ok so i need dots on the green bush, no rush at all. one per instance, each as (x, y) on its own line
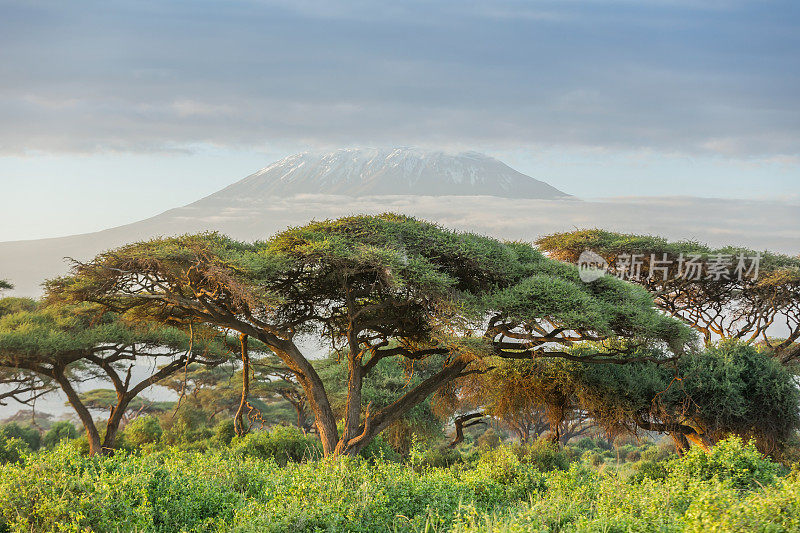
(224, 433)
(730, 461)
(380, 448)
(187, 426)
(544, 455)
(236, 489)
(649, 470)
(27, 434)
(282, 443)
(488, 439)
(12, 449)
(142, 430)
(59, 431)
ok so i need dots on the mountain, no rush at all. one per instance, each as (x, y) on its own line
(469, 192)
(374, 172)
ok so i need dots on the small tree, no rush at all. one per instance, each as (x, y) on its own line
(531, 397)
(105, 400)
(374, 287)
(67, 344)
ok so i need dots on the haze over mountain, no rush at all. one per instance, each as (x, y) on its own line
(467, 191)
(376, 172)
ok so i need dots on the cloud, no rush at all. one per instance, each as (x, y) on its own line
(668, 76)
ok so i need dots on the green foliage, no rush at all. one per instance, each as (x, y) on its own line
(224, 432)
(142, 430)
(730, 461)
(505, 489)
(283, 444)
(185, 426)
(379, 448)
(15, 305)
(737, 305)
(737, 389)
(649, 469)
(27, 434)
(728, 389)
(58, 432)
(12, 449)
(386, 286)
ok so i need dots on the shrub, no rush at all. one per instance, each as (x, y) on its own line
(224, 433)
(143, 430)
(59, 431)
(282, 443)
(663, 450)
(649, 470)
(488, 439)
(544, 455)
(187, 426)
(27, 434)
(380, 448)
(730, 461)
(12, 449)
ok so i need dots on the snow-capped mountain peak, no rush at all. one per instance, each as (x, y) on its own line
(396, 171)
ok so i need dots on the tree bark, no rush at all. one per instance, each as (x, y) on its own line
(114, 420)
(461, 422)
(314, 389)
(92, 435)
(375, 423)
(238, 419)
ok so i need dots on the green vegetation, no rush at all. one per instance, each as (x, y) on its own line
(740, 298)
(380, 373)
(244, 487)
(373, 288)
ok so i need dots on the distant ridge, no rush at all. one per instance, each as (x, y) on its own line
(381, 172)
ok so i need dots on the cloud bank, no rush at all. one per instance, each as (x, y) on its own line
(671, 76)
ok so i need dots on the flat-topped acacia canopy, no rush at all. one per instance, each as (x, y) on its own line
(374, 287)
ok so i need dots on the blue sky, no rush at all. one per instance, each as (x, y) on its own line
(113, 111)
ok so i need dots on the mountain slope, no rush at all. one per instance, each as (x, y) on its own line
(468, 192)
(399, 171)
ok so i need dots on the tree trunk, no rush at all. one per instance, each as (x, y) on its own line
(92, 434)
(114, 420)
(238, 419)
(375, 423)
(462, 422)
(314, 389)
(681, 443)
(352, 414)
(301, 417)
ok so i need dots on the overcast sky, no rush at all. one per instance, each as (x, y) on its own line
(113, 111)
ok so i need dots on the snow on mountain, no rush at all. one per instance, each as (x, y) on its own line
(399, 171)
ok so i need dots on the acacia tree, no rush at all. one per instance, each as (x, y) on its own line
(702, 398)
(722, 293)
(531, 397)
(106, 400)
(217, 390)
(375, 287)
(273, 378)
(69, 344)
